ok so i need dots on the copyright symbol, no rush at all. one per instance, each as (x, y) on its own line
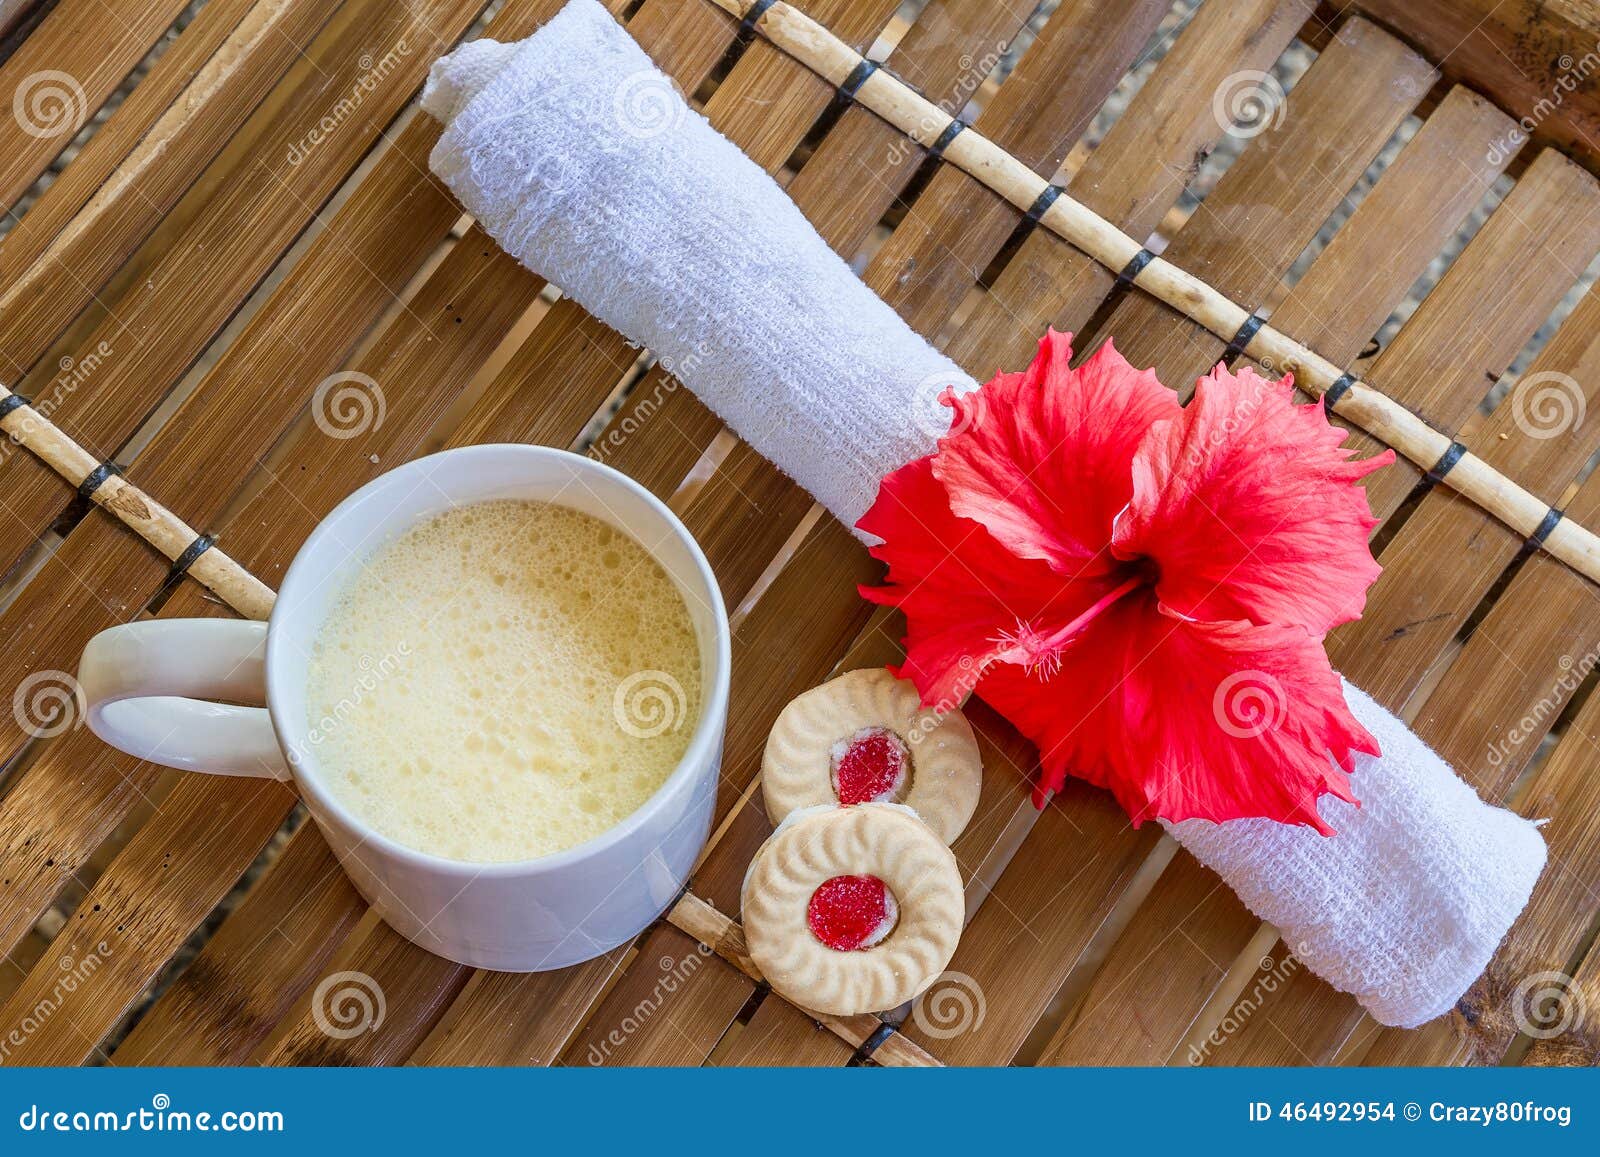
(1412, 1110)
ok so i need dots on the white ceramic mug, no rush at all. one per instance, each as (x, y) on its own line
(150, 689)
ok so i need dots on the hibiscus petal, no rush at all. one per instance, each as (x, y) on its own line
(963, 594)
(1041, 458)
(1245, 502)
(1184, 719)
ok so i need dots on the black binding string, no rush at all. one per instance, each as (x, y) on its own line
(1547, 524)
(96, 478)
(1244, 337)
(747, 26)
(1042, 204)
(12, 402)
(1341, 386)
(1447, 461)
(873, 1043)
(951, 131)
(858, 77)
(1130, 272)
(201, 544)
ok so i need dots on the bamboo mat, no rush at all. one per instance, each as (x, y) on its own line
(241, 231)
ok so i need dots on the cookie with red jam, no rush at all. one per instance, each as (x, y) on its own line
(865, 738)
(852, 909)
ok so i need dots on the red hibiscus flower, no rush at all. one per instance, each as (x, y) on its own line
(1141, 587)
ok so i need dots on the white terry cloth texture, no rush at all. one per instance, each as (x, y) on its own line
(584, 161)
(1404, 905)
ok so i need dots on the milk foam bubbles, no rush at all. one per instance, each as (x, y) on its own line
(503, 681)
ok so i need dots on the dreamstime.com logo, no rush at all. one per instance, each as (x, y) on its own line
(932, 418)
(347, 1004)
(348, 404)
(158, 1117)
(675, 973)
(50, 103)
(649, 703)
(929, 718)
(72, 373)
(975, 68)
(373, 74)
(1574, 72)
(953, 1004)
(1248, 103)
(75, 972)
(1547, 1005)
(1547, 404)
(373, 673)
(638, 410)
(647, 104)
(1275, 972)
(1248, 704)
(1539, 717)
(48, 703)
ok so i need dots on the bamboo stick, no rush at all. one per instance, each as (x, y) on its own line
(142, 514)
(723, 935)
(1383, 417)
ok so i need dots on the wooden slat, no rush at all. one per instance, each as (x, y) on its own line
(1522, 664)
(95, 46)
(223, 237)
(1160, 975)
(1527, 57)
(956, 226)
(110, 198)
(1516, 673)
(1554, 928)
(1398, 229)
(503, 1017)
(221, 1008)
(1270, 204)
(780, 1034)
(111, 142)
(946, 54)
(184, 862)
(1131, 178)
(1485, 308)
(1449, 553)
(409, 992)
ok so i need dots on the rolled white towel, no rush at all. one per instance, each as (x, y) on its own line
(1405, 905)
(581, 159)
(584, 161)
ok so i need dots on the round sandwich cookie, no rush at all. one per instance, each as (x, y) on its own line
(865, 738)
(854, 909)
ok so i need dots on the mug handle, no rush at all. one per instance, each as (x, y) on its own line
(138, 679)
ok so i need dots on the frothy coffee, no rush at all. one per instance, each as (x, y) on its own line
(503, 681)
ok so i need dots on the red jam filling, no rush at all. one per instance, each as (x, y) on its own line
(850, 912)
(870, 767)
